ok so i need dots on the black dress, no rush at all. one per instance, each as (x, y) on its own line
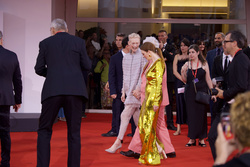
(181, 114)
(196, 112)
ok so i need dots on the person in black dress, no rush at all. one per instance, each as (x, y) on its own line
(179, 61)
(196, 71)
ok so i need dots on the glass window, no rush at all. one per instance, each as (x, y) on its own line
(192, 9)
(176, 32)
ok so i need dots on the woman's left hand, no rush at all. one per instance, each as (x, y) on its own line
(137, 94)
(155, 108)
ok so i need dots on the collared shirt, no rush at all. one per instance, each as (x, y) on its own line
(124, 54)
(228, 59)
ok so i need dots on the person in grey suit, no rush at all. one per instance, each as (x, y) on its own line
(10, 95)
(62, 59)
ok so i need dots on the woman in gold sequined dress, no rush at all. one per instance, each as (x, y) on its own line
(152, 148)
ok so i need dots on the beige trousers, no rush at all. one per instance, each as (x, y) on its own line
(129, 111)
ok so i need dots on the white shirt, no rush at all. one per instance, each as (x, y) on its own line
(228, 59)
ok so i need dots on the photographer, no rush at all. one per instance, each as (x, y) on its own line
(219, 70)
(238, 74)
(240, 122)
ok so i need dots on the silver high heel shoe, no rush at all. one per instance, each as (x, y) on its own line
(114, 151)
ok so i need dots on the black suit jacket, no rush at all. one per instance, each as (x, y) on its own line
(238, 76)
(116, 74)
(217, 69)
(10, 78)
(61, 60)
(169, 63)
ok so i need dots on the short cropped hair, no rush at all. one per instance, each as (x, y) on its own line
(221, 33)
(58, 24)
(163, 31)
(1, 35)
(120, 35)
(238, 37)
(133, 35)
(125, 42)
(240, 118)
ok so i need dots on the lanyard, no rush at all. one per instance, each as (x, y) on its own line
(194, 74)
(237, 51)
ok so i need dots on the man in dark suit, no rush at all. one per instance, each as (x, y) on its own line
(168, 52)
(219, 71)
(115, 87)
(238, 76)
(10, 95)
(61, 60)
(218, 38)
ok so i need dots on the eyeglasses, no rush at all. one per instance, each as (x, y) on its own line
(223, 42)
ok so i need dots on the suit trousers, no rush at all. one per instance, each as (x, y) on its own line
(72, 106)
(212, 135)
(5, 135)
(129, 111)
(168, 108)
(117, 108)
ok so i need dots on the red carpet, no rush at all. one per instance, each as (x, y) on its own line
(93, 145)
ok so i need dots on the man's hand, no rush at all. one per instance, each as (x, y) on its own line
(161, 45)
(16, 107)
(123, 97)
(220, 93)
(107, 86)
(113, 96)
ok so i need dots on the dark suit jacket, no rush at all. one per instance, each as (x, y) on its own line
(217, 69)
(10, 78)
(210, 58)
(247, 51)
(116, 74)
(238, 76)
(61, 60)
(169, 63)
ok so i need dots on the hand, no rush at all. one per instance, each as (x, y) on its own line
(137, 94)
(220, 93)
(223, 147)
(113, 96)
(155, 108)
(123, 97)
(161, 45)
(107, 86)
(16, 107)
(214, 98)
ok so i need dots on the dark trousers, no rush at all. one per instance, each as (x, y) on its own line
(212, 135)
(5, 135)
(168, 108)
(117, 108)
(72, 106)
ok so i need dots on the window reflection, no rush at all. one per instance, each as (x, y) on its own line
(194, 9)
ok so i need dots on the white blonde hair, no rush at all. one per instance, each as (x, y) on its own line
(134, 35)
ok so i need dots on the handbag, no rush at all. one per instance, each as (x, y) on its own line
(202, 97)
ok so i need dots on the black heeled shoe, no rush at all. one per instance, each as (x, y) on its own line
(191, 144)
(202, 145)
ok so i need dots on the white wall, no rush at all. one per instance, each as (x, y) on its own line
(25, 23)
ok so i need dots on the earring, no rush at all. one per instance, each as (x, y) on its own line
(149, 55)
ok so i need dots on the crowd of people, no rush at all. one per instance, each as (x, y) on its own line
(137, 78)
